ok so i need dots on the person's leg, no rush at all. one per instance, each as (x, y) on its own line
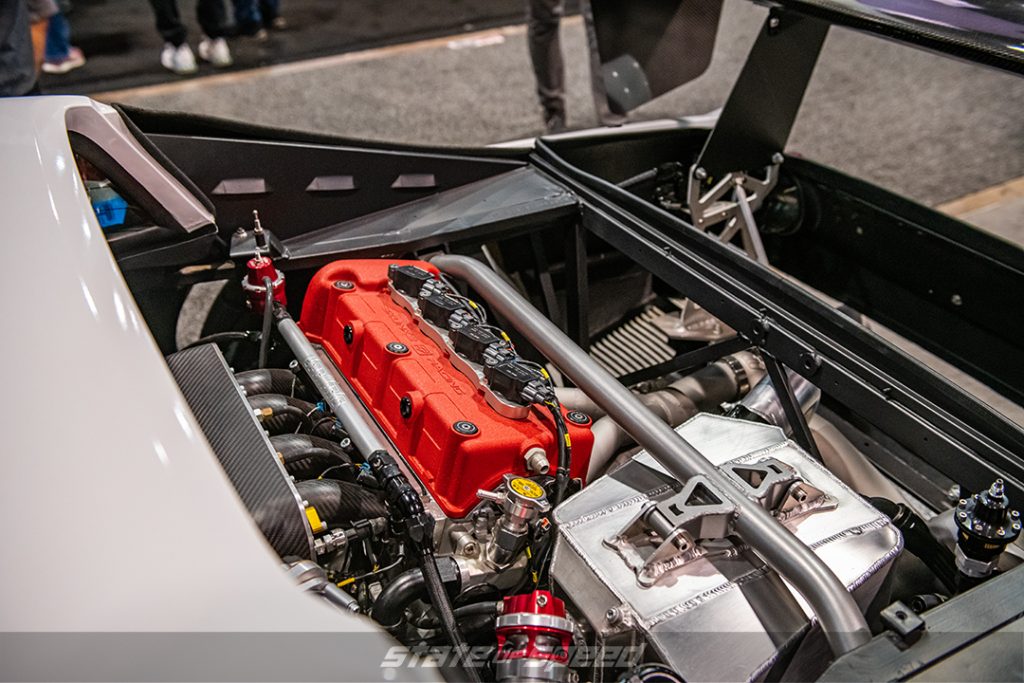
(168, 22)
(597, 87)
(213, 48)
(546, 55)
(248, 17)
(270, 10)
(58, 38)
(211, 16)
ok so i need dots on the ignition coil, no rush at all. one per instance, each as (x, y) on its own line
(408, 280)
(472, 342)
(438, 308)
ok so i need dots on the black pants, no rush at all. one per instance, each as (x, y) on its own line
(543, 17)
(542, 20)
(210, 14)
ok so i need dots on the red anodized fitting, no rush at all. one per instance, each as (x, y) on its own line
(259, 268)
(533, 638)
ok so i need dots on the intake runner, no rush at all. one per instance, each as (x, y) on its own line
(451, 395)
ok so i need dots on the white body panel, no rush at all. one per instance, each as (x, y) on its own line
(116, 514)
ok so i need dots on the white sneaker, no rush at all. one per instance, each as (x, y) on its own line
(215, 51)
(179, 59)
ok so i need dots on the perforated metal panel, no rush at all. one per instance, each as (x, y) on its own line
(242, 448)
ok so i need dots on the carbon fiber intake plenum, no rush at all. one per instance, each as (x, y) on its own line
(242, 448)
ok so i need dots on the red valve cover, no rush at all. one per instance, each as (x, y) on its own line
(452, 465)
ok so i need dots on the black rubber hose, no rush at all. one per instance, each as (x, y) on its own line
(287, 413)
(487, 609)
(920, 541)
(406, 588)
(443, 606)
(270, 381)
(341, 502)
(305, 453)
(224, 338)
(268, 319)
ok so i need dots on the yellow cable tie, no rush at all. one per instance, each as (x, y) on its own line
(568, 441)
(342, 584)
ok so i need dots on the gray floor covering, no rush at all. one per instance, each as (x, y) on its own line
(924, 125)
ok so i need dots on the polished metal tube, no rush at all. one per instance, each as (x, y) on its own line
(838, 614)
(350, 414)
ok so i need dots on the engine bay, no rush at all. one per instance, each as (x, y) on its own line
(534, 426)
(410, 462)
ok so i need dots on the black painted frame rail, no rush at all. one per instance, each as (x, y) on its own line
(928, 415)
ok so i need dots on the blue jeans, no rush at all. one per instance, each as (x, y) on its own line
(251, 15)
(58, 38)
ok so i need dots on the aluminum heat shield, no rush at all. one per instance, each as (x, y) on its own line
(719, 619)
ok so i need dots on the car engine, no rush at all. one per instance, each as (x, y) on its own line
(451, 468)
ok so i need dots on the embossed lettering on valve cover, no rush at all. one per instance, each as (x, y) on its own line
(443, 423)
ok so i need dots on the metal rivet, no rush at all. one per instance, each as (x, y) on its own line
(465, 427)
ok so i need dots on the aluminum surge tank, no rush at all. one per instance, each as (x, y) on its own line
(723, 618)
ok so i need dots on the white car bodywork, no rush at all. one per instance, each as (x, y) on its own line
(117, 514)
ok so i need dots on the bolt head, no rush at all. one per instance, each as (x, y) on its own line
(542, 600)
(465, 427)
(344, 285)
(397, 348)
(700, 173)
(577, 417)
(774, 22)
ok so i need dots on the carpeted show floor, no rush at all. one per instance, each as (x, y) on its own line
(912, 121)
(122, 46)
